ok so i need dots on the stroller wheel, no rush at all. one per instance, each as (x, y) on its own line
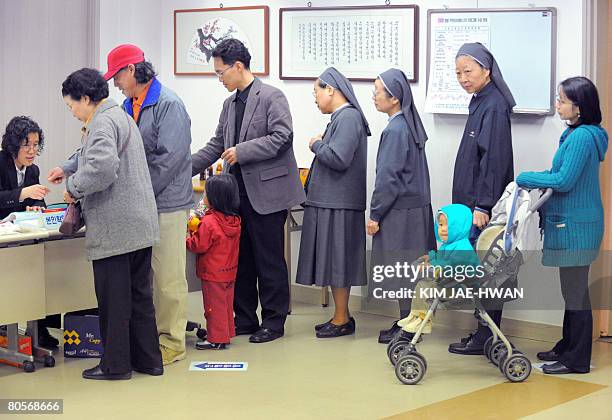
(504, 356)
(395, 339)
(395, 351)
(495, 352)
(487, 347)
(516, 368)
(410, 369)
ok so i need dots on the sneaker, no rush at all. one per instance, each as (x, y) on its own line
(205, 345)
(170, 356)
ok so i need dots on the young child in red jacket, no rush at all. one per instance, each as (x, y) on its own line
(216, 241)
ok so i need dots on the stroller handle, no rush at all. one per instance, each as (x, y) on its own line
(543, 198)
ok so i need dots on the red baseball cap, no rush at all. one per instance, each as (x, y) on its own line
(121, 57)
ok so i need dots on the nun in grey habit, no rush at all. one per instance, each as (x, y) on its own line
(333, 244)
(401, 218)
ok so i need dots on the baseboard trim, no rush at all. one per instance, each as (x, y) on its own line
(463, 320)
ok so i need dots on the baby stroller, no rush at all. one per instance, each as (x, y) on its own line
(499, 249)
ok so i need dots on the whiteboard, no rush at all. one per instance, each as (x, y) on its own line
(523, 42)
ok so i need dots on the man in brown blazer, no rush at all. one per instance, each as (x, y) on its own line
(254, 137)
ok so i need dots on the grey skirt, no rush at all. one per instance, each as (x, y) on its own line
(404, 236)
(332, 248)
(410, 231)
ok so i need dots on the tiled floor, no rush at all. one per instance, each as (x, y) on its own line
(302, 377)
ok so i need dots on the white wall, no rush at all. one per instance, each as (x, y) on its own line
(40, 44)
(135, 22)
(534, 138)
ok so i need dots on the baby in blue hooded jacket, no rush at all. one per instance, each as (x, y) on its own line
(453, 224)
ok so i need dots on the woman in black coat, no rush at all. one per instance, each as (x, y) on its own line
(20, 188)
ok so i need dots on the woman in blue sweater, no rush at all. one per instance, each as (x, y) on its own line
(573, 218)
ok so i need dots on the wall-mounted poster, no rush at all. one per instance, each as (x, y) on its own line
(360, 41)
(198, 31)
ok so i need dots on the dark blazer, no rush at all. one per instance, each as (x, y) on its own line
(484, 162)
(265, 149)
(338, 173)
(9, 192)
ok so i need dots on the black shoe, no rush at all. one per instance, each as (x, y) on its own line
(155, 371)
(205, 345)
(463, 341)
(263, 335)
(471, 347)
(332, 330)
(385, 336)
(246, 330)
(318, 327)
(548, 356)
(557, 368)
(46, 340)
(97, 373)
(407, 336)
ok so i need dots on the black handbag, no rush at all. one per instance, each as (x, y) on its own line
(73, 220)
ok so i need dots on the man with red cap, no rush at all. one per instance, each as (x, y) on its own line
(165, 127)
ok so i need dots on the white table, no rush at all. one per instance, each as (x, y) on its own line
(43, 273)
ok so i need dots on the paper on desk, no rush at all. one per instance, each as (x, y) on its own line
(10, 228)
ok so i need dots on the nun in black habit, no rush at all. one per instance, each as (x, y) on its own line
(484, 162)
(333, 244)
(401, 218)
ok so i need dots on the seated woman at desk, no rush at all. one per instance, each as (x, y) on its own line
(20, 189)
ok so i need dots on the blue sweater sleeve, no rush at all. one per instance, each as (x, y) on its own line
(574, 155)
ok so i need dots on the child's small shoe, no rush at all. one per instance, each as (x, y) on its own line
(205, 345)
(414, 325)
(405, 321)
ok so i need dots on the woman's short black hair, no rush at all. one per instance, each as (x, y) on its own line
(16, 135)
(85, 82)
(231, 50)
(222, 194)
(583, 93)
(144, 72)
